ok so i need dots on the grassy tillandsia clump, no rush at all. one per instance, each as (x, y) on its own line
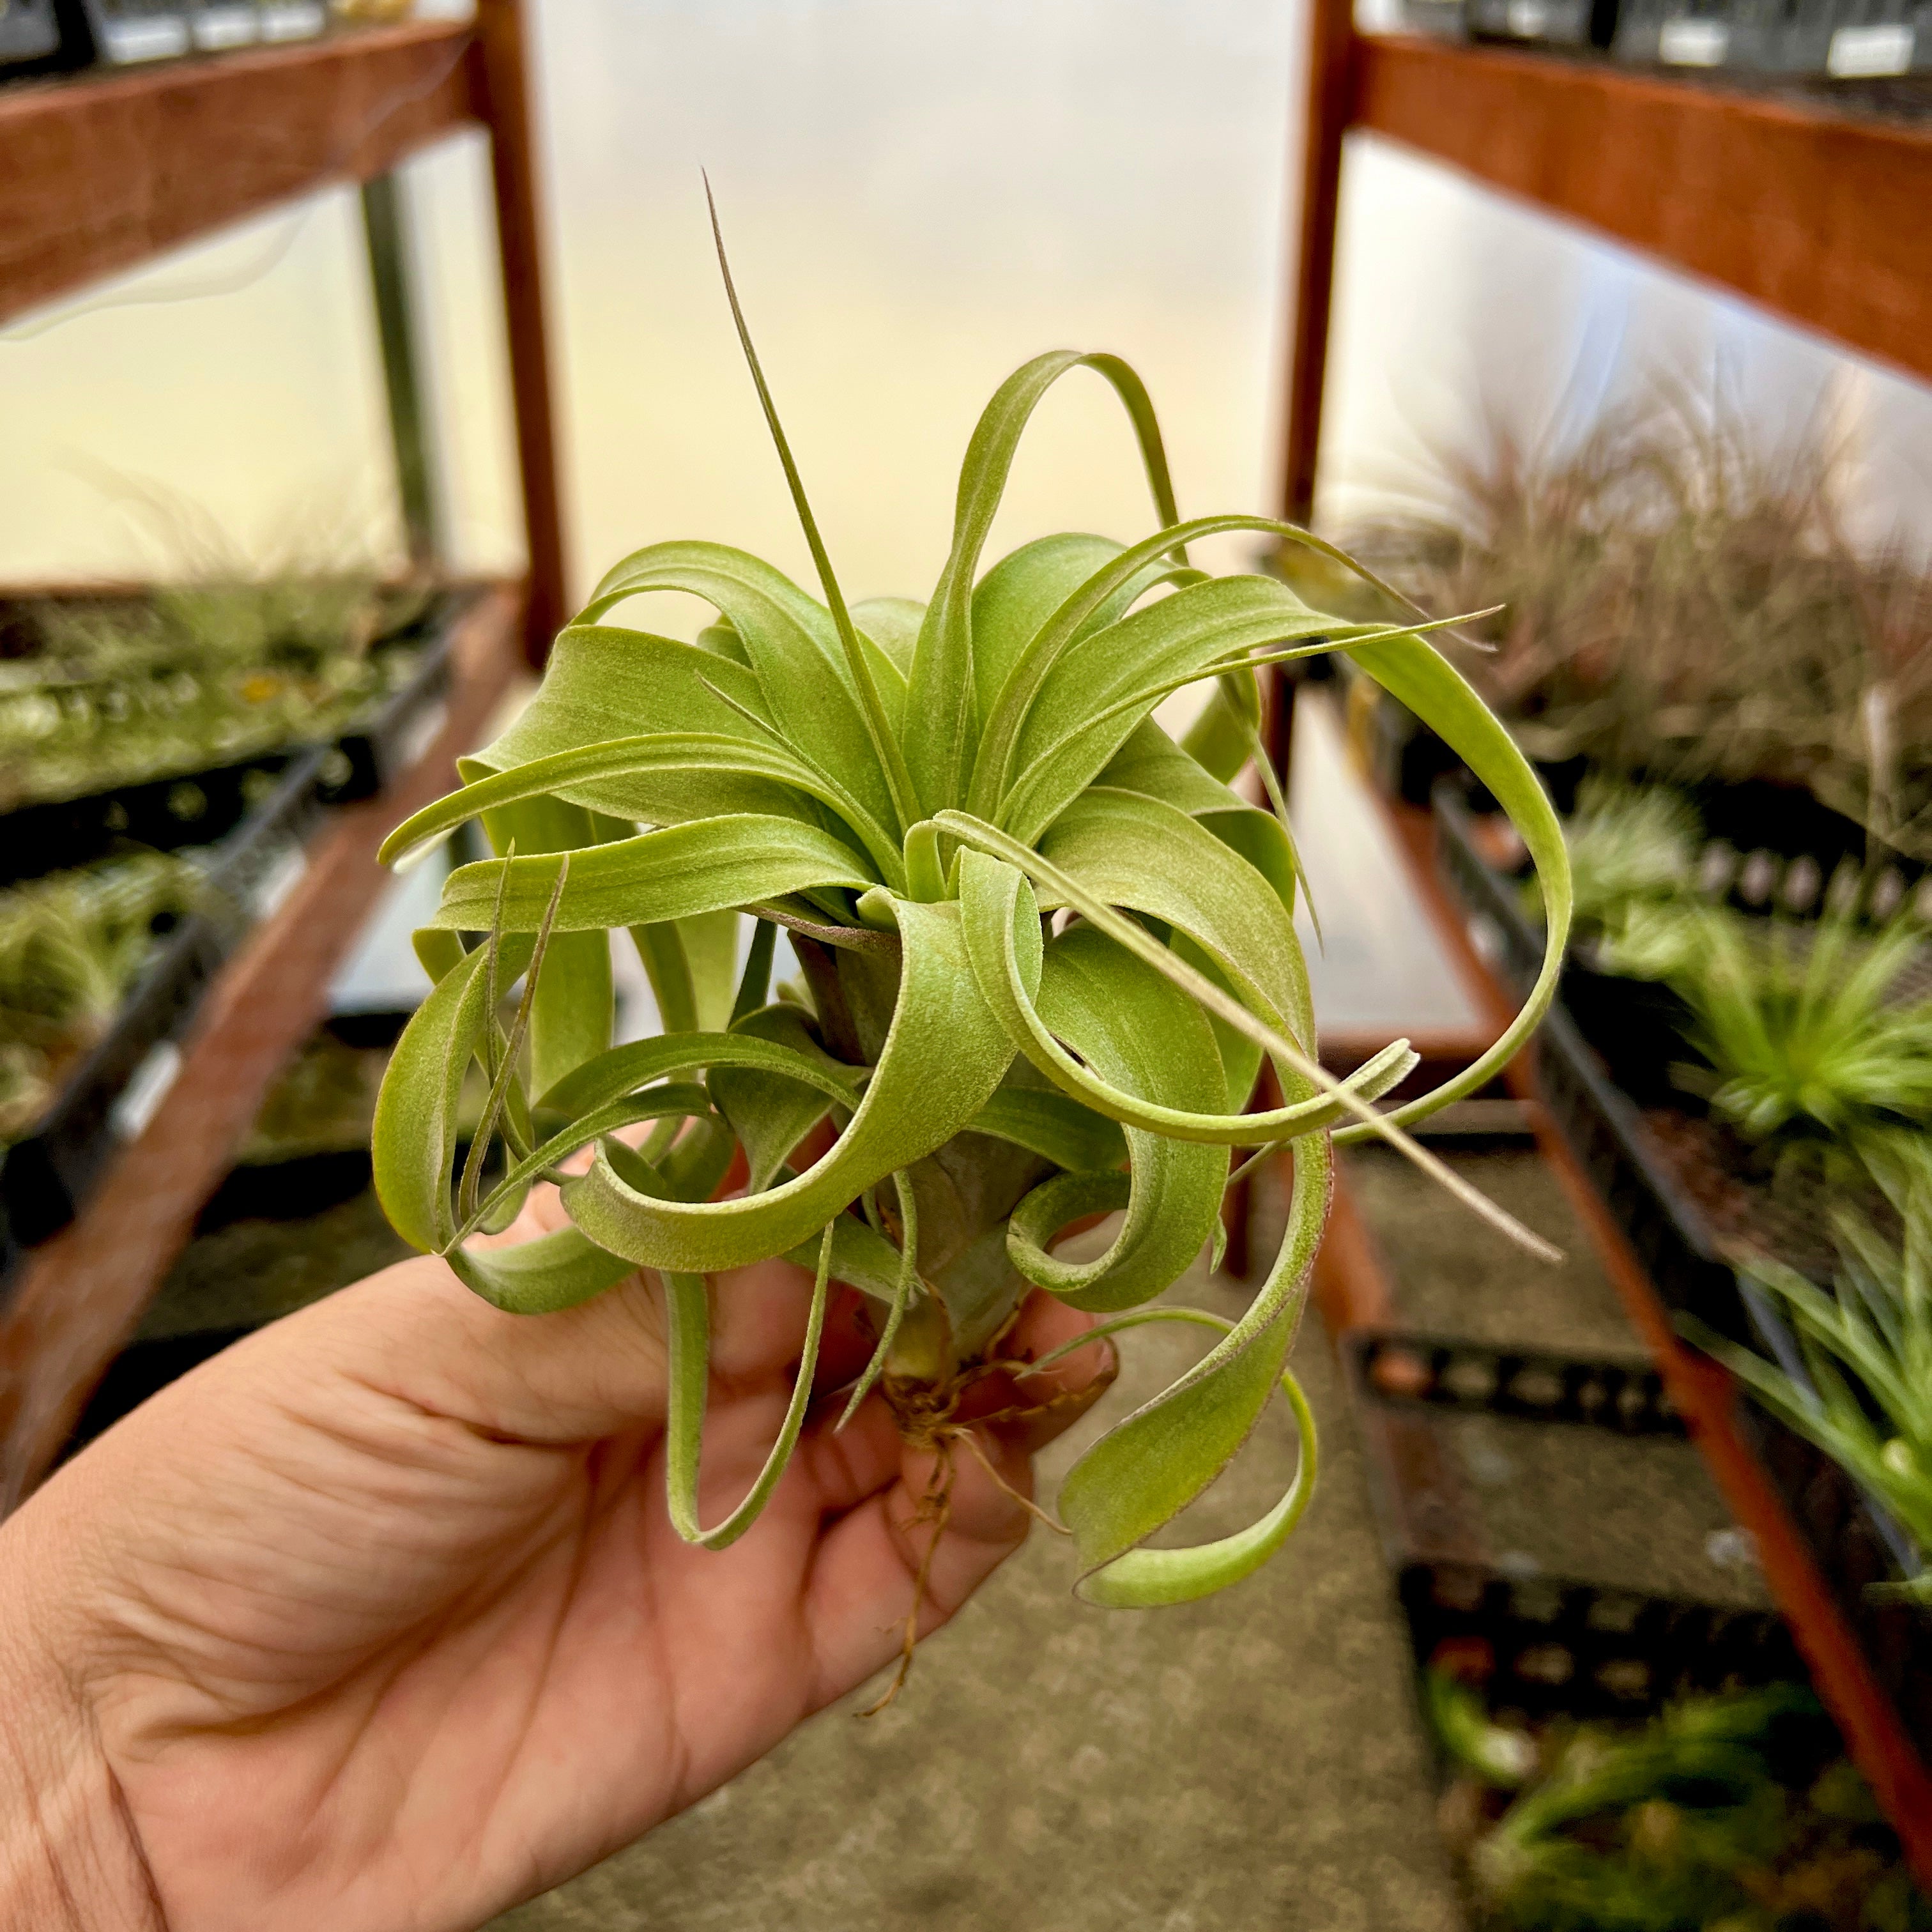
(1812, 1036)
(1867, 1350)
(1046, 949)
(1677, 599)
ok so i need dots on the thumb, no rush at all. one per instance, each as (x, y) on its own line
(415, 1333)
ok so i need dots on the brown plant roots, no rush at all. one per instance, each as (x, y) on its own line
(928, 1417)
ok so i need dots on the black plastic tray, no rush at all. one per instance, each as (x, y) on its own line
(1545, 1643)
(283, 1190)
(1582, 24)
(30, 32)
(109, 1097)
(1768, 848)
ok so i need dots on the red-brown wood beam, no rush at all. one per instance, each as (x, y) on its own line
(504, 91)
(1328, 101)
(1818, 216)
(100, 174)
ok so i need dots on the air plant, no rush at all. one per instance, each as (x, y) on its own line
(1631, 846)
(1733, 1810)
(1679, 602)
(1804, 1027)
(1866, 1350)
(71, 944)
(1045, 950)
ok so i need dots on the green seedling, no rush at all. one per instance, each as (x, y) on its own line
(1867, 1348)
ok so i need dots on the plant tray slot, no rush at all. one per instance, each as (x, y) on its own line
(1529, 1385)
(1544, 1644)
(108, 1097)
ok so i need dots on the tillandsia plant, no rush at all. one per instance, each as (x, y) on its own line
(1046, 949)
(1866, 1399)
(1628, 844)
(1810, 1030)
(1677, 599)
(1736, 1811)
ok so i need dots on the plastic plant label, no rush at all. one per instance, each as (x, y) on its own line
(219, 27)
(291, 19)
(141, 1098)
(1860, 52)
(135, 38)
(281, 878)
(1693, 42)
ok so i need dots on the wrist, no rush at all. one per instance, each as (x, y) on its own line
(70, 1860)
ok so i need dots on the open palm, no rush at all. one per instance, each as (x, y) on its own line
(380, 1622)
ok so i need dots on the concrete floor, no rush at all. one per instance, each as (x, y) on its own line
(1251, 1761)
(1638, 1514)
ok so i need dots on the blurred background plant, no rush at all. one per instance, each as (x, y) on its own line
(1683, 603)
(229, 656)
(1813, 1031)
(101, 692)
(1866, 1344)
(72, 944)
(1736, 1811)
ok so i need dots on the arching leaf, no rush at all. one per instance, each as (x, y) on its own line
(688, 1325)
(1146, 1037)
(939, 722)
(1147, 1468)
(717, 865)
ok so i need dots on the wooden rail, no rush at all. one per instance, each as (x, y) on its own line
(102, 172)
(1814, 214)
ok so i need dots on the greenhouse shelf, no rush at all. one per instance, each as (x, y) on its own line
(75, 1297)
(1352, 1295)
(49, 1173)
(106, 168)
(1804, 198)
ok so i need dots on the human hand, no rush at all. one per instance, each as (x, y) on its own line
(377, 1621)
